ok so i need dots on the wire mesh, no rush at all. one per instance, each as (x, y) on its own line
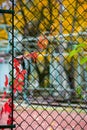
(54, 93)
(50, 64)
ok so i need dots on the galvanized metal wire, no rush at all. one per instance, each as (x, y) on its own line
(49, 39)
(55, 86)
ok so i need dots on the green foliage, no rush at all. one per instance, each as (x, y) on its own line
(79, 53)
(79, 49)
(79, 92)
(81, 45)
(73, 53)
(83, 60)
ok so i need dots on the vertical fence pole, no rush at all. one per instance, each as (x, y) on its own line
(12, 57)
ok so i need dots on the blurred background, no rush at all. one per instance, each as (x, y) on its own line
(45, 33)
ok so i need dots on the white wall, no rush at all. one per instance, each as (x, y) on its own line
(4, 70)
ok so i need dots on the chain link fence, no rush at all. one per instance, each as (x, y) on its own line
(50, 64)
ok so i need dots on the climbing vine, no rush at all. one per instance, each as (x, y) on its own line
(18, 84)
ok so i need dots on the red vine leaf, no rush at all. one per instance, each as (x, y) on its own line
(16, 62)
(23, 72)
(17, 69)
(6, 81)
(4, 95)
(7, 107)
(18, 84)
(9, 121)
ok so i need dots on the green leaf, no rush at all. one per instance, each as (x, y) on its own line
(79, 91)
(72, 53)
(81, 45)
(83, 60)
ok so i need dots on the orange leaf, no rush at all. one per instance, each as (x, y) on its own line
(33, 55)
(42, 42)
